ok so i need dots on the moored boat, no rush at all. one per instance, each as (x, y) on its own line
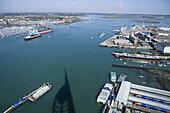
(102, 34)
(140, 76)
(139, 57)
(104, 94)
(32, 36)
(113, 77)
(39, 92)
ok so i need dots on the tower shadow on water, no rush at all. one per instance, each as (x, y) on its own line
(63, 102)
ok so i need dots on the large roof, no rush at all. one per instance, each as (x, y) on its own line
(164, 43)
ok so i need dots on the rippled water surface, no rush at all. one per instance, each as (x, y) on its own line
(71, 61)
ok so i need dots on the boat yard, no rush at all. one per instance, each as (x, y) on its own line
(140, 36)
(128, 97)
(114, 42)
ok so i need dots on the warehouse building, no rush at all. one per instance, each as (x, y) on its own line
(163, 47)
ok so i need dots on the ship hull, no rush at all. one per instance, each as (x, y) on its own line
(32, 37)
(38, 34)
(137, 57)
(140, 59)
(45, 31)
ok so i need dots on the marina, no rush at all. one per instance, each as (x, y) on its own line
(15, 30)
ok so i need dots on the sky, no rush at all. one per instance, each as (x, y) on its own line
(90, 6)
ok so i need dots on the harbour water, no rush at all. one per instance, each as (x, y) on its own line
(72, 62)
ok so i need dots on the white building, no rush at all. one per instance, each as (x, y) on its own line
(165, 28)
(163, 34)
(163, 47)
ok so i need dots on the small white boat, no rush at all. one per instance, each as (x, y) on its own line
(92, 37)
(102, 34)
(113, 77)
(144, 82)
(140, 76)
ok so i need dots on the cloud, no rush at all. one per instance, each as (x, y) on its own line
(119, 5)
(85, 7)
(99, 6)
(141, 8)
(73, 3)
(84, 3)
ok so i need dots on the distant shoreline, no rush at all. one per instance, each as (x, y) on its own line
(67, 23)
(148, 21)
(111, 17)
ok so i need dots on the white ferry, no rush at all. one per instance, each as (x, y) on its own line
(104, 94)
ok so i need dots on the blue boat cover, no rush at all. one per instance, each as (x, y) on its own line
(106, 88)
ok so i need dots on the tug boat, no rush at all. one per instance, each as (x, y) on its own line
(32, 36)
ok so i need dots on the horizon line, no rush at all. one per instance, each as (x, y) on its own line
(89, 13)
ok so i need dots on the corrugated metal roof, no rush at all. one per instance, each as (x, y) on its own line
(164, 43)
(157, 96)
(153, 90)
(123, 93)
(149, 102)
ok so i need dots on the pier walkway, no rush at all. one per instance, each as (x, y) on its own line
(28, 97)
(16, 105)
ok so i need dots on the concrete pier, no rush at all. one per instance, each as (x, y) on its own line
(109, 43)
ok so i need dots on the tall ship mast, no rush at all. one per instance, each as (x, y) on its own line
(141, 57)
